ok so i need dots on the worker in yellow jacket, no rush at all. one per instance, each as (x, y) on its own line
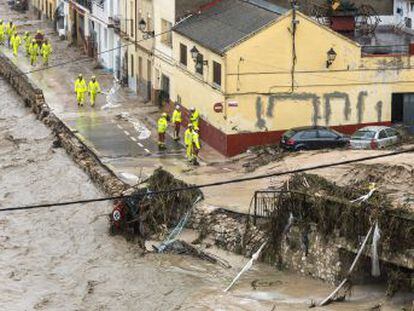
(162, 129)
(2, 32)
(196, 145)
(34, 52)
(94, 89)
(194, 117)
(176, 120)
(80, 89)
(188, 141)
(45, 51)
(10, 30)
(15, 42)
(27, 39)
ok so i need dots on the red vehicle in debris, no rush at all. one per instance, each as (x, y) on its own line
(124, 217)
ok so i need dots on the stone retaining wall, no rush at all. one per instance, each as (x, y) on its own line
(86, 159)
(229, 231)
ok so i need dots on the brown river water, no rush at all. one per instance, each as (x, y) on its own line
(63, 258)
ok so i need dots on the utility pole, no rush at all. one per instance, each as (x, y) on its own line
(293, 32)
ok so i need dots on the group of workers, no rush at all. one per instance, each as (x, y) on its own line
(191, 134)
(80, 88)
(34, 45)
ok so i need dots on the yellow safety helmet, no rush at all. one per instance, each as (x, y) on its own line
(33, 40)
(164, 115)
(80, 75)
(190, 125)
(93, 77)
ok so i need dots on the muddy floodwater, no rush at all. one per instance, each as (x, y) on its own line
(63, 258)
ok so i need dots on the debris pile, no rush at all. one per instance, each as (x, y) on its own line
(261, 155)
(151, 210)
(311, 199)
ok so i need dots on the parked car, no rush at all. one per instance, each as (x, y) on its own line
(311, 138)
(375, 137)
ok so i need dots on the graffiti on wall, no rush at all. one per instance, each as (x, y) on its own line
(267, 109)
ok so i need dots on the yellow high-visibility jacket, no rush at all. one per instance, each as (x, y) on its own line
(46, 49)
(188, 137)
(176, 116)
(2, 29)
(15, 41)
(94, 87)
(194, 118)
(80, 85)
(162, 125)
(10, 29)
(34, 49)
(196, 139)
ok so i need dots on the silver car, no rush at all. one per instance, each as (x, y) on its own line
(374, 137)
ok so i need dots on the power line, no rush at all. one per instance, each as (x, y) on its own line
(215, 184)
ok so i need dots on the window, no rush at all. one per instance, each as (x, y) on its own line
(131, 21)
(166, 37)
(327, 134)
(309, 135)
(382, 135)
(391, 132)
(132, 65)
(199, 68)
(139, 68)
(217, 73)
(149, 23)
(183, 54)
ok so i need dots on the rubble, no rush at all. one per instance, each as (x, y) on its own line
(261, 155)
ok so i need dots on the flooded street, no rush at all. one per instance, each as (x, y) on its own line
(63, 258)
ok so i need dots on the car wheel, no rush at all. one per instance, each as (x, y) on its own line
(301, 148)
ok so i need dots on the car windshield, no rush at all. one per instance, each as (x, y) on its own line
(363, 135)
(289, 134)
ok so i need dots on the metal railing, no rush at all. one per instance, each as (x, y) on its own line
(264, 202)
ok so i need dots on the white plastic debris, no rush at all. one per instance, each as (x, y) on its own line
(129, 178)
(255, 256)
(110, 101)
(375, 268)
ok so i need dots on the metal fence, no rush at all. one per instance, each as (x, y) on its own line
(265, 201)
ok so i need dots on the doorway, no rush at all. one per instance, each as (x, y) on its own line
(402, 108)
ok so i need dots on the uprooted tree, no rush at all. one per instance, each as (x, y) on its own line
(152, 209)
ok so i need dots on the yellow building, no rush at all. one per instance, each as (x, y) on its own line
(254, 73)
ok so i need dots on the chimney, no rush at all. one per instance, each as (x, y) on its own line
(343, 23)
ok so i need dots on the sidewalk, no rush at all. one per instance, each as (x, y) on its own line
(123, 135)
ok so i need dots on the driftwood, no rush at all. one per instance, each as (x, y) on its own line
(180, 247)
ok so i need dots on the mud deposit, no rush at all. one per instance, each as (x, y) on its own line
(63, 258)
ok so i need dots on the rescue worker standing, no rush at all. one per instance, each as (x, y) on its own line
(27, 41)
(45, 51)
(80, 89)
(194, 117)
(176, 120)
(162, 129)
(34, 52)
(2, 32)
(94, 89)
(188, 141)
(196, 145)
(15, 42)
(10, 30)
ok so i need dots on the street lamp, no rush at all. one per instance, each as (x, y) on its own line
(142, 26)
(197, 58)
(194, 53)
(331, 57)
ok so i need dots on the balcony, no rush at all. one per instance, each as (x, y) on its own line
(85, 3)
